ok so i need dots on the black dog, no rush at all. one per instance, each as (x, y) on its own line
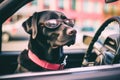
(49, 31)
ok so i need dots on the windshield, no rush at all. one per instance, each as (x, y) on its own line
(64, 39)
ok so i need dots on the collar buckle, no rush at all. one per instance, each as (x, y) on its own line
(64, 61)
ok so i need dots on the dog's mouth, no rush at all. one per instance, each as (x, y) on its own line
(58, 43)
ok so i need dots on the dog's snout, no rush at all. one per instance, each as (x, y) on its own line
(71, 31)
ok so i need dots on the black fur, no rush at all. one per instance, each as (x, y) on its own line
(44, 42)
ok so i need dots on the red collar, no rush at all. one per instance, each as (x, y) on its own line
(43, 63)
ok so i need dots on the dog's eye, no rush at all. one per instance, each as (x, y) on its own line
(52, 24)
(69, 22)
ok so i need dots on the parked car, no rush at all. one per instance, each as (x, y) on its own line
(84, 31)
(14, 31)
(92, 63)
(87, 29)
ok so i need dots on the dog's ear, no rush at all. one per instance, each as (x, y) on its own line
(30, 25)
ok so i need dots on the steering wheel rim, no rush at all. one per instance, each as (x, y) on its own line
(87, 56)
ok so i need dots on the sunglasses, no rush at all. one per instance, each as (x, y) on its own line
(55, 23)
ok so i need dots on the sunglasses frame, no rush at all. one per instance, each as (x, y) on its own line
(59, 22)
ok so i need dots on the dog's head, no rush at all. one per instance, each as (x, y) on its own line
(53, 26)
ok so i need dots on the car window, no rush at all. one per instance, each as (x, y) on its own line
(88, 15)
(14, 38)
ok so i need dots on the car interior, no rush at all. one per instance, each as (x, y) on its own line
(102, 49)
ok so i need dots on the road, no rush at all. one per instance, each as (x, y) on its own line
(22, 44)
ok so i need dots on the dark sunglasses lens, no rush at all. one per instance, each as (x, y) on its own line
(52, 24)
(69, 22)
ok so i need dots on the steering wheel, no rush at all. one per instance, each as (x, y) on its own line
(87, 60)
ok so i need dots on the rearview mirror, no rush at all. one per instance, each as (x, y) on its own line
(87, 39)
(109, 1)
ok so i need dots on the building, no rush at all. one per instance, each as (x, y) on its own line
(85, 12)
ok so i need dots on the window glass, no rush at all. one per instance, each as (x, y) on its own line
(15, 38)
(61, 4)
(106, 8)
(46, 3)
(111, 9)
(34, 2)
(87, 6)
(97, 7)
(73, 4)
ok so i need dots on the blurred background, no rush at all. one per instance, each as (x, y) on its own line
(88, 15)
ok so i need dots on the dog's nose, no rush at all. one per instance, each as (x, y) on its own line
(71, 31)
